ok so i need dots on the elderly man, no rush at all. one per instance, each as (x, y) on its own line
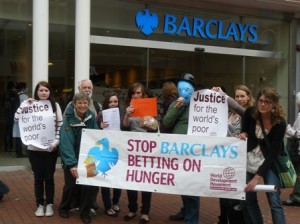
(86, 86)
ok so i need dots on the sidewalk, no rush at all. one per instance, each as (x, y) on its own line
(18, 205)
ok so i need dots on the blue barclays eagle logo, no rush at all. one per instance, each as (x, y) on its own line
(101, 159)
(146, 21)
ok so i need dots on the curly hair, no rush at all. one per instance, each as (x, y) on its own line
(271, 94)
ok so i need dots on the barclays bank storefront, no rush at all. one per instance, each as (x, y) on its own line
(153, 41)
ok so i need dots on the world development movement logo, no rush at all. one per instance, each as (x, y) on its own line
(146, 21)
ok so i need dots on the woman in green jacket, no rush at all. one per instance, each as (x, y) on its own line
(77, 117)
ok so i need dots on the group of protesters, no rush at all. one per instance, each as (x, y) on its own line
(248, 118)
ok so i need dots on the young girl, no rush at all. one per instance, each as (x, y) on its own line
(43, 161)
(136, 91)
(111, 209)
(243, 97)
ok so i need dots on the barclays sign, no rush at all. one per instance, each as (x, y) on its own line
(147, 23)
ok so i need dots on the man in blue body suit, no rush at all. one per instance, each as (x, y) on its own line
(176, 119)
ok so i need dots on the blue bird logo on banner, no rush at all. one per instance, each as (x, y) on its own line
(101, 159)
(146, 21)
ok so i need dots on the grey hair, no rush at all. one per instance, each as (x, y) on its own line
(80, 96)
(84, 80)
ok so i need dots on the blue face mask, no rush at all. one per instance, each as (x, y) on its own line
(185, 90)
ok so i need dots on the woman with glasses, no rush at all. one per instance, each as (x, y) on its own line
(266, 116)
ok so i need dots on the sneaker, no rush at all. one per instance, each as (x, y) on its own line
(111, 212)
(116, 208)
(40, 211)
(92, 212)
(49, 210)
(75, 210)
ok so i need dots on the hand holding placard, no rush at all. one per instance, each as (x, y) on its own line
(144, 107)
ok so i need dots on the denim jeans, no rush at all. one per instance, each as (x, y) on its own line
(252, 213)
(191, 205)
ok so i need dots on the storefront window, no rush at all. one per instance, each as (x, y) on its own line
(116, 66)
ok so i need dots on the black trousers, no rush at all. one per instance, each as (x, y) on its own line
(8, 137)
(18, 146)
(43, 166)
(105, 192)
(70, 188)
(132, 201)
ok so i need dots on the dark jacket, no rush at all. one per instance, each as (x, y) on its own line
(275, 138)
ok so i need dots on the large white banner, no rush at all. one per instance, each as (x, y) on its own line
(165, 163)
(208, 114)
(36, 123)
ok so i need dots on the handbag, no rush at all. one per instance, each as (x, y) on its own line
(283, 165)
(286, 171)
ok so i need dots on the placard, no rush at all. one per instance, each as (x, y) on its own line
(36, 123)
(144, 107)
(208, 114)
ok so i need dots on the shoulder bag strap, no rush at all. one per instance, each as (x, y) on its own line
(264, 132)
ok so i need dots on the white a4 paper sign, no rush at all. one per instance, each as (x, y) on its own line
(208, 115)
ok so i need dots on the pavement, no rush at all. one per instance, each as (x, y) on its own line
(18, 206)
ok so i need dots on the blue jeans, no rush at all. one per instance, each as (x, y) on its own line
(191, 205)
(252, 213)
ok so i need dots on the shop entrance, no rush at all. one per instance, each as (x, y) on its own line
(118, 62)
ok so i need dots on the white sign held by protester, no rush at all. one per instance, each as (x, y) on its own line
(112, 118)
(208, 114)
(36, 124)
(164, 163)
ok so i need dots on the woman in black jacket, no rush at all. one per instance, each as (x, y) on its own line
(267, 114)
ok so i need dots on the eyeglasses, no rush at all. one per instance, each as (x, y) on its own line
(266, 102)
